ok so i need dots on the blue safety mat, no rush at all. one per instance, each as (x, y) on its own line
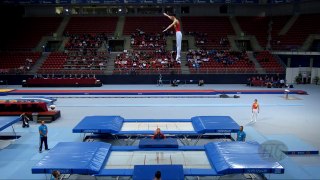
(147, 172)
(241, 157)
(6, 121)
(99, 124)
(74, 158)
(214, 124)
(113, 124)
(158, 143)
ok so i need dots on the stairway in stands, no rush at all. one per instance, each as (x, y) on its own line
(119, 27)
(39, 63)
(110, 64)
(288, 25)
(236, 27)
(258, 67)
(184, 67)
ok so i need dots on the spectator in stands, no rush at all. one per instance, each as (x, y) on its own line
(160, 80)
(249, 82)
(282, 83)
(28, 63)
(157, 176)
(269, 84)
(43, 131)
(241, 135)
(25, 120)
(174, 83)
(101, 65)
(201, 82)
(158, 134)
(56, 174)
(255, 110)
(176, 24)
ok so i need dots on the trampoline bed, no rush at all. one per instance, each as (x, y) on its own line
(102, 159)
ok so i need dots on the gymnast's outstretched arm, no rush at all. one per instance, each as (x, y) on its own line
(172, 24)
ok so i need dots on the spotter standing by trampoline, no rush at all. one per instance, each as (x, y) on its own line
(176, 24)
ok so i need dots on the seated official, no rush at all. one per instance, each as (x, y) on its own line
(158, 134)
(201, 82)
(269, 84)
(175, 83)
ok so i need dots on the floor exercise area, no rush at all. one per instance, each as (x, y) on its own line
(110, 138)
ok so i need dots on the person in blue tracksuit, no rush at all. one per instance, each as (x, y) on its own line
(241, 135)
(43, 131)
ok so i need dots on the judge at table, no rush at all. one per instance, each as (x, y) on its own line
(158, 134)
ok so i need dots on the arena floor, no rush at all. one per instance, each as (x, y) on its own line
(297, 116)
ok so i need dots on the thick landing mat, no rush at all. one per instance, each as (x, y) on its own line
(241, 157)
(5, 90)
(74, 158)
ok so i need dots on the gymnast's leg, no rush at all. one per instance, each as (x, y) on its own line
(178, 44)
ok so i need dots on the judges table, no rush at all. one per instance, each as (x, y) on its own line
(158, 143)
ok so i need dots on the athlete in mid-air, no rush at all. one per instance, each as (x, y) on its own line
(176, 24)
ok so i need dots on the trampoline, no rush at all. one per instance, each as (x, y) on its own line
(46, 100)
(102, 159)
(196, 126)
(6, 121)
